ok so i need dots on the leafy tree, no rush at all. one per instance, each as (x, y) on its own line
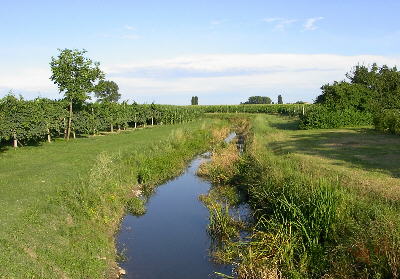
(384, 81)
(344, 95)
(107, 91)
(258, 100)
(75, 76)
(280, 100)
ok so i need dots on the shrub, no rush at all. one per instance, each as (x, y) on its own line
(388, 121)
(321, 117)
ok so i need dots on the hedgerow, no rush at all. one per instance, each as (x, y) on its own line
(322, 117)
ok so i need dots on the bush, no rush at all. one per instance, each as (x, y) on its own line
(388, 121)
(321, 117)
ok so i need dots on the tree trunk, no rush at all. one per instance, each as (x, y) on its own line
(112, 128)
(135, 125)
(73, 134)
(15, 141)
(152, 121)
(303, 110)
(65, 128)
(48, 135)
(93, 127)
(69, 120)
(119, 128)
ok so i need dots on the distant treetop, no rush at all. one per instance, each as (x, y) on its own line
(107, 91)
(258, 100)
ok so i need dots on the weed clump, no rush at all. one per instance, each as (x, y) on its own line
(136, 206)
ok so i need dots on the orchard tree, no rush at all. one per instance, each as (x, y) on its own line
(107, 91)
(76, 77)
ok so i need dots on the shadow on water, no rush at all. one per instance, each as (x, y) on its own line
(171, 241)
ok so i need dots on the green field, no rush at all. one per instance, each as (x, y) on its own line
(61, 202)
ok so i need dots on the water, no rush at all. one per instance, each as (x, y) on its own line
(170, 241)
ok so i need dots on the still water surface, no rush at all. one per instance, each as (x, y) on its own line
(170, 241)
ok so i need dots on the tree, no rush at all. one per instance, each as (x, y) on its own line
(194, 100)
(107, 91)
(76, 77)
(280, 101)
(258, 100)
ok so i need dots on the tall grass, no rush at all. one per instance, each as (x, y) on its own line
(307, 225)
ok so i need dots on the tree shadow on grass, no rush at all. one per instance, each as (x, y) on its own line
(291, 124)
(363, 148)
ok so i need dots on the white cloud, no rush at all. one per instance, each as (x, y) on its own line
(280, 24)
(310, 23)
(272, 19)
(217, 21)
(129, 27)
(225, 77)
(129, 36)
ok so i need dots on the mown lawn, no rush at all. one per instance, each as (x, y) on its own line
(362, 157)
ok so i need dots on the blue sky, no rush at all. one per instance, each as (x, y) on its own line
(221, 51)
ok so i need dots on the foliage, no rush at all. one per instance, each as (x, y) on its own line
(30, 120)
(74, 74)
(344, 95)
(194, 100)
(372, 89)
(284, 109)
(34, 120)
(258, 100)
(323, 117)
(107, 91)
(388, 120)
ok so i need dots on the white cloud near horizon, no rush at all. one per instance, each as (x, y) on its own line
(309, 25)
(228, 77)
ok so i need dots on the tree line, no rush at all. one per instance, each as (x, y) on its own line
(23, 121)
(370, 95)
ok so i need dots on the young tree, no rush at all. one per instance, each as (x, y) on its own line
(76, 77)
(107, 91)
(280, 100)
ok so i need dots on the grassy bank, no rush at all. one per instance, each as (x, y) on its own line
(61, 202)
(325, 203)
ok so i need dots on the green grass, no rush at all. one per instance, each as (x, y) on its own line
(61, 202)
(326, 203)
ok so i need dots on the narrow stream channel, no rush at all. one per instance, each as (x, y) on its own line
(171, 241)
